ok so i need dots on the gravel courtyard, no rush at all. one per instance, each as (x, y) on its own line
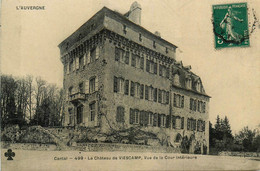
(76, 160)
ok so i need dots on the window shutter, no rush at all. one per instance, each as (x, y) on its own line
(84, 59)
(87, 86)
(155, 68)
(155, 95)
(77, 62)
(68, 68)
(159, 120)
(115, 84)
(142, 92)
(195, 104)
(173, 122)
(117, 54)
(96, 83)
(160, 69)
(146, 118)
(182, 123)
(97, 52)
(147, 65)
(168, 119)
(167, 97)
(142, 63)
(159, 96)
(167, 72)
(132, 89)
(155, 120)
(174, 100)
(132, 116)
(146, 92)
(88, 57)
(188, 124)
(141, 117)
(126, 87)
(191, 104)
(133, 62)
(182, 101)
(127, 57)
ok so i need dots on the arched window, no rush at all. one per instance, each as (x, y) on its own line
(176, 80)
(120, 114)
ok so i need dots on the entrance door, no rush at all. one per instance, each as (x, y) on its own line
(79, 114)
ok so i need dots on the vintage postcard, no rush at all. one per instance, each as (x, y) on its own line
(130, 85)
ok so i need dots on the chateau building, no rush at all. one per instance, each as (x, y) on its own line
(119, 75)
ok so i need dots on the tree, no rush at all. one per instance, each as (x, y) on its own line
(246, 138)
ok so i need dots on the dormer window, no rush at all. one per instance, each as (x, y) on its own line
(188, 83)
(154, 44)
(198, 86)
(140, 37)
(176, 80)
(124, 29)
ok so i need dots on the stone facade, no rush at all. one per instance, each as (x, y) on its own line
(119, 75)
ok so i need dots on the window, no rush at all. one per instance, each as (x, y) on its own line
(120, 114)
(119, 85)
(133, 61)
(150, 118)
(79, 114)
(92, 55)
(193, 104)
(81, 88)
(176, 80)
(92, 85)
(119, 55)
(92, 111)
(154, 45)
(198, 86)
(188, 83)
(134, 116)
(166, 50)
(191, 124)
(163, 120)
(178, 122)
(178, 100)
(81, 61)
(70, 91)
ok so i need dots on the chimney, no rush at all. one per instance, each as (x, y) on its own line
(134, 14)
(157, 33)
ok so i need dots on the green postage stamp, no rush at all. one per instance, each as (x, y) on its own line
(230, 25)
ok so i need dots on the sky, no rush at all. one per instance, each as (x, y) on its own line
(231, 76)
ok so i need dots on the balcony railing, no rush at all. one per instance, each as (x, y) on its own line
(77, 96)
